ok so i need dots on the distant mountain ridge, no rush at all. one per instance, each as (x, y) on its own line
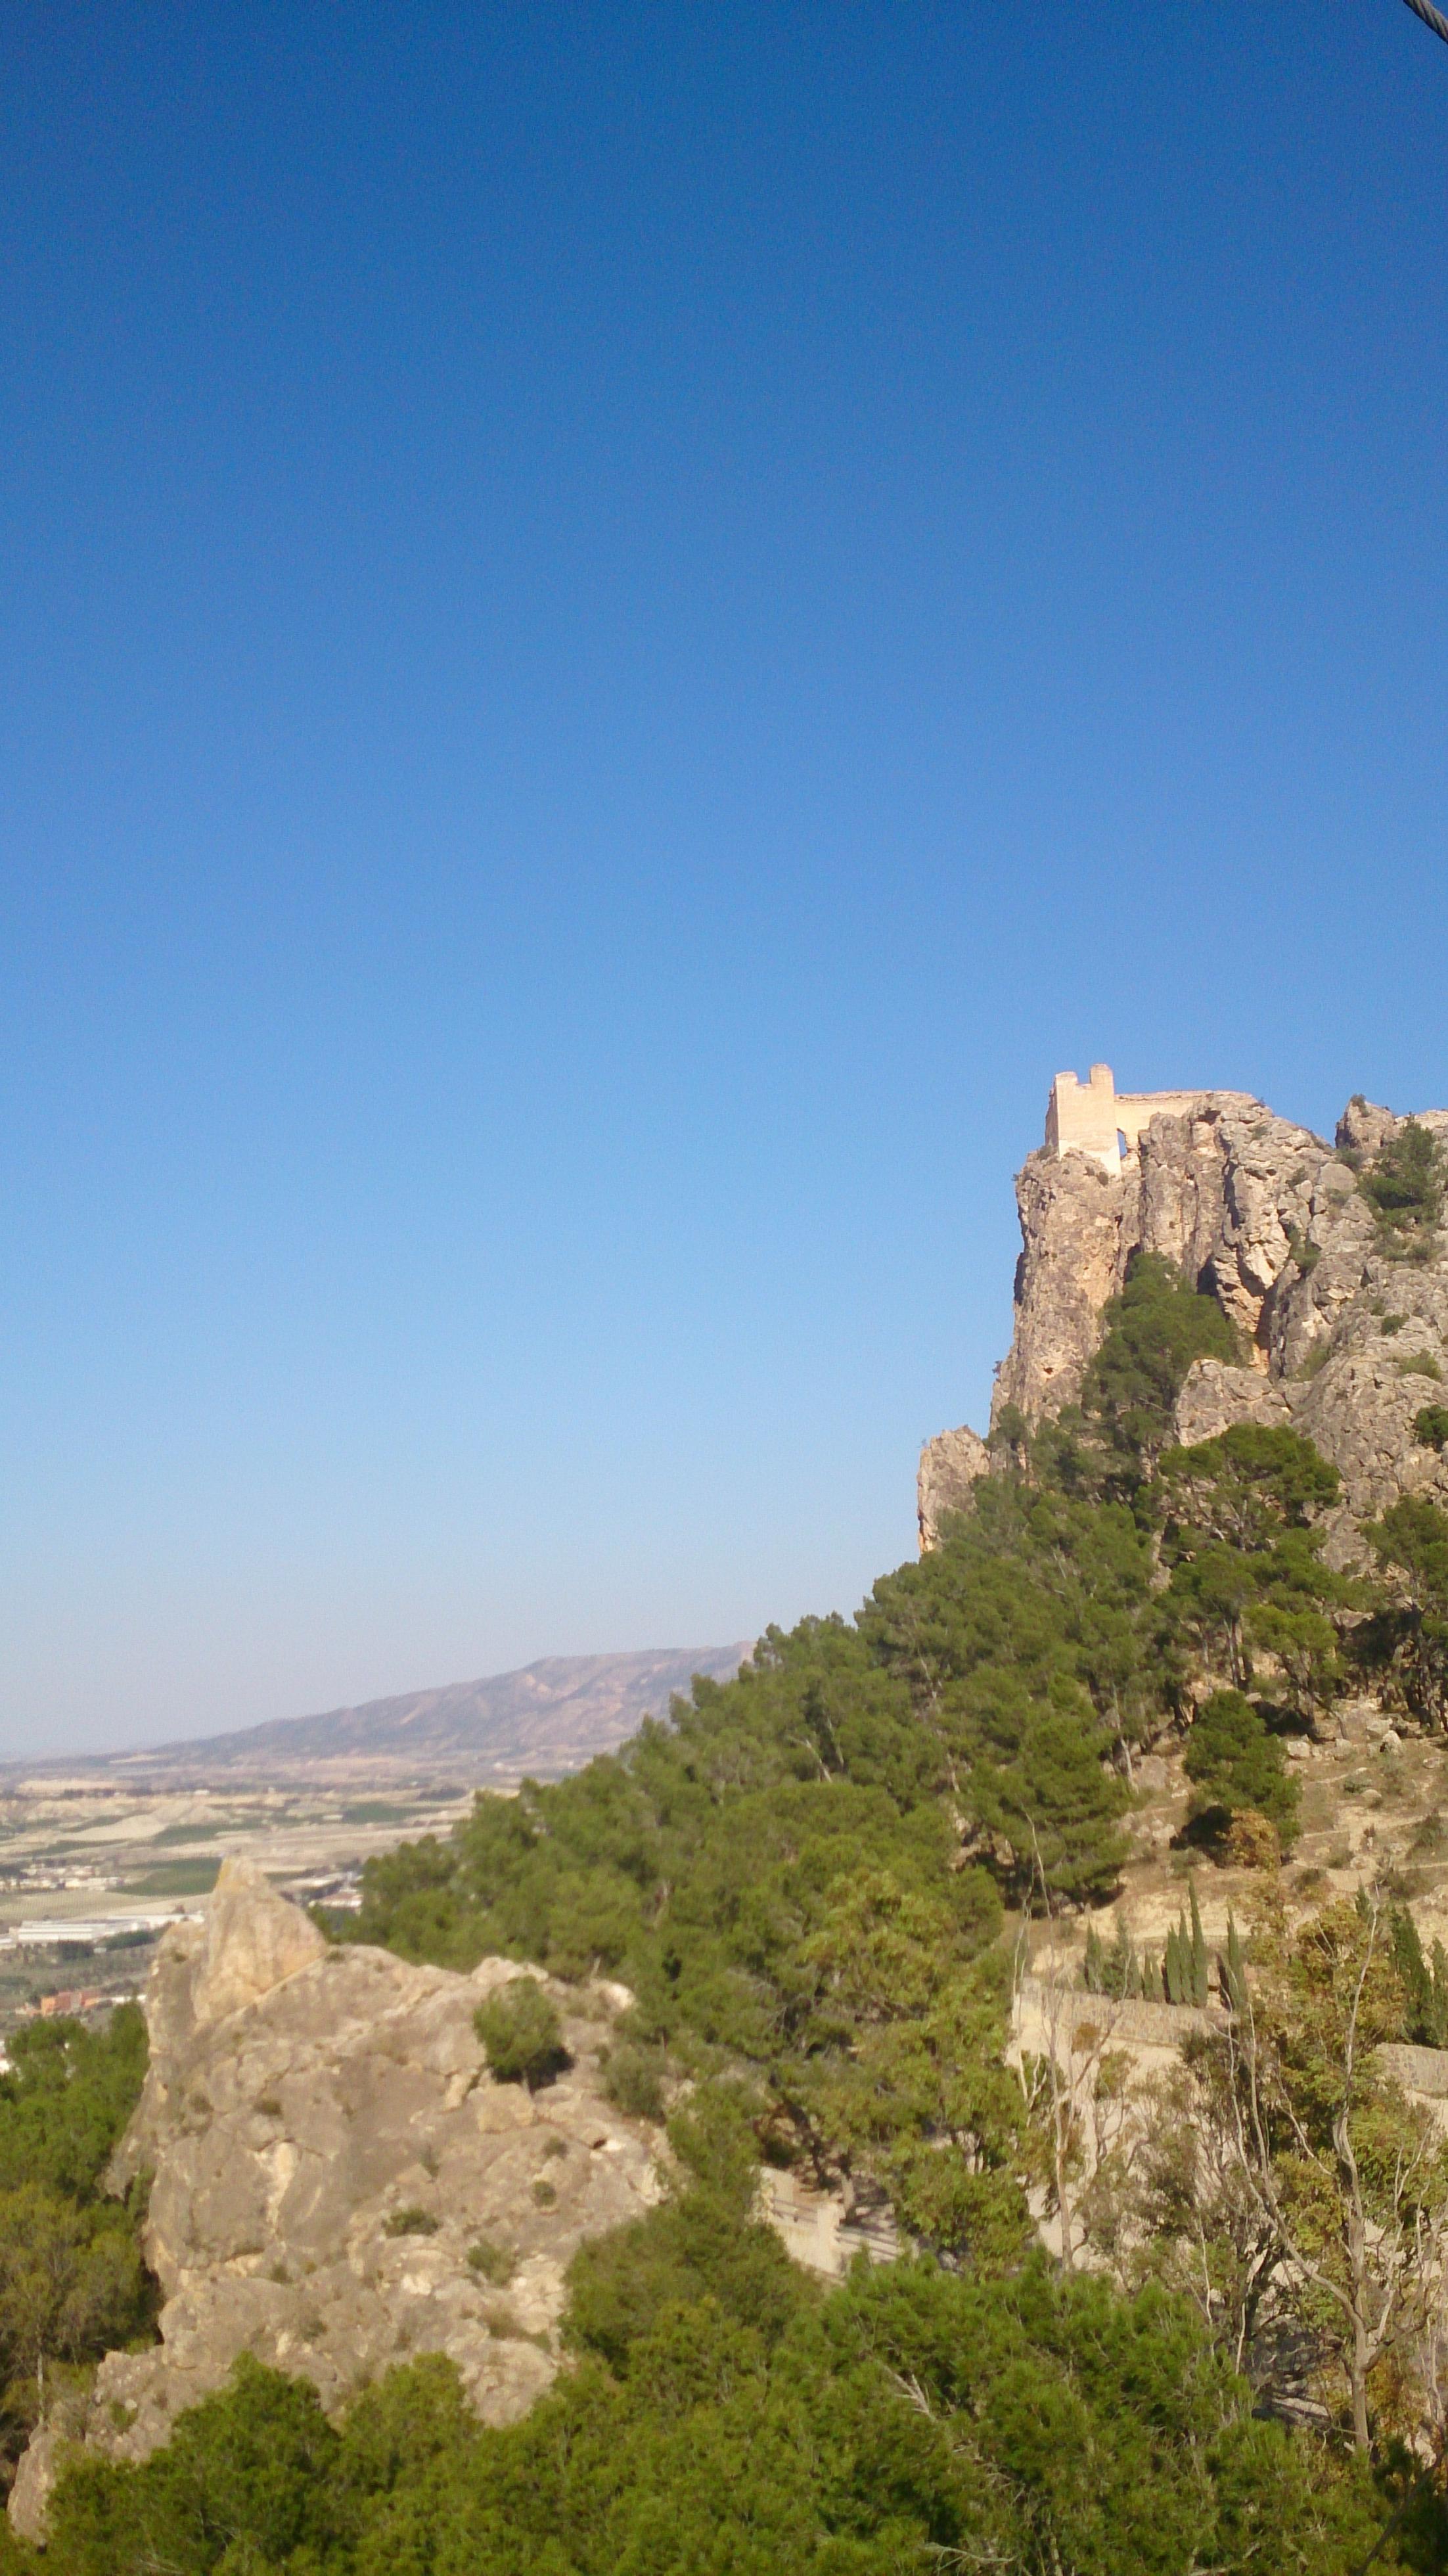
(547, 1718)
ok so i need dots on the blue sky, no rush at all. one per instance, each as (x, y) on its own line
(620, 628)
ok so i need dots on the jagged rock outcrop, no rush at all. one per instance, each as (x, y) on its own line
(1072, 1213)
(1215, 1396)
(1353, 1340)
(327, 2145)
(1339, 1336)
(951, 1466)
(1222, 1190)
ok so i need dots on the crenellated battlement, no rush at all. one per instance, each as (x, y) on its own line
(1093, 1117)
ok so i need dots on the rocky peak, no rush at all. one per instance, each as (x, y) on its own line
(1364, 1128)
(1339, 1334)
(253, 1940)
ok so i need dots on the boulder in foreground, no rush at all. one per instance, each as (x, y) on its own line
(328, 2150)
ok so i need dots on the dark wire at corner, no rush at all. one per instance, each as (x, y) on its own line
(1431, 17)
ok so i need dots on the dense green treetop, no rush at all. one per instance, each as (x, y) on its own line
(1234, 1763)
(725, 2413)
(1404, 1187)
(1151, 1334)
(66, 2098)
(72, 2281)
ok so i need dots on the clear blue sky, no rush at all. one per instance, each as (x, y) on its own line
(621, 627)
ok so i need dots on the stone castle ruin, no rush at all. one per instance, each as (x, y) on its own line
(1336, 1334)
(1093, 1117)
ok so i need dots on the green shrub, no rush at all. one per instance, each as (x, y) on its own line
(1151, 1335)
(1425, 1984)
(254, 2466)
(1404, 1188)
(493, 2262)
(1411, 1541)
(633, 2080)
(1119, 1972)
(1234, 1764)
(411, 2222)
(1010, 1429)
(1186, 1968)
(698, 2245)
(521, 2034)
(905, 2418)
(1431, 1426)
(73, 2283)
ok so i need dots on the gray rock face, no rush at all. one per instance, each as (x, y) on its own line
(1422, 2072)
(1222, 1191)
(1339, 1337)
(1072, 1217)
(951, 1466)
(327, 2144)
(1216, 1396)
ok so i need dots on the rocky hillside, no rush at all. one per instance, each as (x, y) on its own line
(1336, 1287)
(339, 2181)
(908, 1921)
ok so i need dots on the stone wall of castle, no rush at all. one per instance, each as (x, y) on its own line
(1093, 1117)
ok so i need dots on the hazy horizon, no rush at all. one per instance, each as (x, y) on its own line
(384, 1699)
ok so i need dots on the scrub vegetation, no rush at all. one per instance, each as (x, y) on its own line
(1184, 2323)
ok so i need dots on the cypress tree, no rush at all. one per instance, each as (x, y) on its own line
(1199, 1964)
(1121, 1981)
(1233, 1970)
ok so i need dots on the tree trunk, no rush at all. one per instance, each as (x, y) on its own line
(1355, 2238)
(1357, 2378)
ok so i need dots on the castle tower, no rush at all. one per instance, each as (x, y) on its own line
(1081, 1117)
(1094, 1118)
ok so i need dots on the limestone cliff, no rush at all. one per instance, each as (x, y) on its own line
(327, 2146)
(950, 1466)
(1339, 1337)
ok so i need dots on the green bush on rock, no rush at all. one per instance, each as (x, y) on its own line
(521, 2034)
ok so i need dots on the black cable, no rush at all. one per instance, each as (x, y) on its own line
(1431, 17)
